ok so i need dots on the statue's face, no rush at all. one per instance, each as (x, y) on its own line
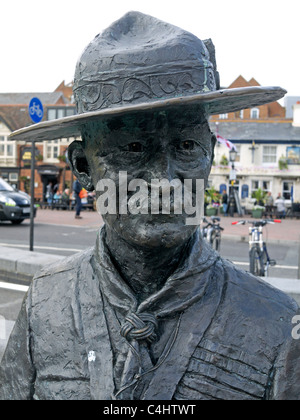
(172, 145)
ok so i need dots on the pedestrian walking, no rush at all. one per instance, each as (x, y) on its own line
(78, 205)
(49, 193)
(225, 202)
(231, 205)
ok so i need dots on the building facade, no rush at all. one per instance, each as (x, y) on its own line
(268, 151)
(267, 144)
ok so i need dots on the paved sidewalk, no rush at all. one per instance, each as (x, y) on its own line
(66, 217)
(288, 230)
(22, 264)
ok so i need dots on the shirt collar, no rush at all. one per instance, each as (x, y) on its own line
(184, 287)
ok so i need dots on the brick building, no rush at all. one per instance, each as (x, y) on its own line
(50, 156)
(272, 110)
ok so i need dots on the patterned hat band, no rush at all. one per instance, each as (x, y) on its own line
(139, 64)
(106, 93)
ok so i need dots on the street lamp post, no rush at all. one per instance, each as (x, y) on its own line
(233, 190)
(232, 158)
(232, 178)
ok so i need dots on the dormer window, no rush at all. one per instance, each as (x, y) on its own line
(223, 116)
(57, 112)
(254, 113)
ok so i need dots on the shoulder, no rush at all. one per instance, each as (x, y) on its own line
(253, 320)
(258, 305)
(57, 281)
(262, 293)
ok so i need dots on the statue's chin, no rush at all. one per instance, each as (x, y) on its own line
(151, 231)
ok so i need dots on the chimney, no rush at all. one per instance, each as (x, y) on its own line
(296, 115)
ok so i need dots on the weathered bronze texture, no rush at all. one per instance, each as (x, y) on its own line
(151, 312)
(141, 63)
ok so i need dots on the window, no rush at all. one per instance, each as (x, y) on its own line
(223, 116)
(266, 186)
(263, 185)
(255, 186)
(70, 112)
(269, 154)
(287, 187)
(52, 150)
(254, 113)
(51, 114)
(242, 114)
(238, 150)
(7, 148)
(13, 177)
(4, 175)
(209, 183)
(54, 113)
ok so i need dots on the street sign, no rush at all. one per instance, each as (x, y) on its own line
(36, 110)
(232, 175)
(26, 153)
(36, 113)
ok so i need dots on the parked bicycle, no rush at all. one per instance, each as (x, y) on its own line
(259, 259)
(211, 232)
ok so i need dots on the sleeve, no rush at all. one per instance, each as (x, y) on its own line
(286, 383)
(17, 373)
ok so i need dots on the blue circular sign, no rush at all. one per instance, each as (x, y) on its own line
(36, 110)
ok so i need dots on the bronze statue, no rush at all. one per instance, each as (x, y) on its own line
(152, 312)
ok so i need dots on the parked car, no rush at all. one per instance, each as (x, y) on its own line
(14, 205)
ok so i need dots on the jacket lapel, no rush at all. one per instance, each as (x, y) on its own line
(199, 285)
(95, 333)
(193, 325)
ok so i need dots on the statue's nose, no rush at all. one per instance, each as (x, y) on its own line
(163, 167)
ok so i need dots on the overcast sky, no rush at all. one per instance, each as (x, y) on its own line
(42, 40)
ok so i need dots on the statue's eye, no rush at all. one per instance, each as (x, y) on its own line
(187, 145)
(135, 147)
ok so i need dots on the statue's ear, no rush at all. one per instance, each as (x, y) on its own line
(79, 165)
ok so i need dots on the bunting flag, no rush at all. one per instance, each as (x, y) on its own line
(227, 143)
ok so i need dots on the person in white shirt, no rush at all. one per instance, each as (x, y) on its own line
(280, 204)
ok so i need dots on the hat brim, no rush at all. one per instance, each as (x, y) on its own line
(217, 102)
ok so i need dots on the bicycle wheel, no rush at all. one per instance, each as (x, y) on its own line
(256, 262)
(215, 241)
(204, 233)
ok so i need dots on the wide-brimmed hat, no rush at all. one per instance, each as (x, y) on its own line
(141, 64)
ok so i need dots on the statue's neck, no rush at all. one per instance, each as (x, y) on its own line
(144, 270)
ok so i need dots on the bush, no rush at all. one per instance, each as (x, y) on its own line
(212, 196)
(224, 161)
(260, 197)
(282, 163)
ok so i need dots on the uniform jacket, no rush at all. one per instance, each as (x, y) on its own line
(222, 334)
